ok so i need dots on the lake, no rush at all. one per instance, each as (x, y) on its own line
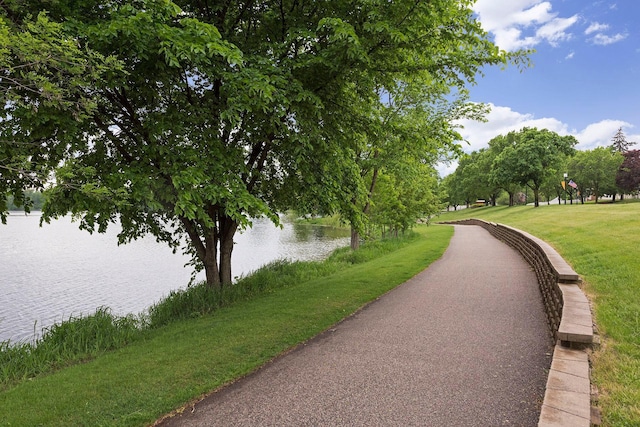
(51, 272)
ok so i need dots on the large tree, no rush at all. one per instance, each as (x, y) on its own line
(451, 192)
(499, 175)
(628, 174)
(532, 155)
(220, 112)
(594, 171)
(411, 124)
(473, 172)
(464, 182)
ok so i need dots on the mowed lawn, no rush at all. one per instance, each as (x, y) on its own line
(602, 243)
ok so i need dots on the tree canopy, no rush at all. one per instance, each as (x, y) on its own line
(539, 159)
(185, 119)
(594, 171)
(43, 80)
(531, 156)
(628, 174)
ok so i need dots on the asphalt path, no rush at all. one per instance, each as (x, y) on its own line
(464, 343)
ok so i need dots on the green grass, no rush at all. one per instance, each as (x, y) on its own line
(171, 365)
(602, 243)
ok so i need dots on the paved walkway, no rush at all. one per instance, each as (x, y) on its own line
(464, 343)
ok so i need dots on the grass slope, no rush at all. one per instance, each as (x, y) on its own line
(602, 243)
(177, 363)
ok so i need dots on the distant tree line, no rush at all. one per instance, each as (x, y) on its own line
(545, 165)
(34, 199)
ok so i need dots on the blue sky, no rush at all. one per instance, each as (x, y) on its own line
(585, 78)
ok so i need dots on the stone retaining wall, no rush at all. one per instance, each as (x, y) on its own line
(551, 270)
(567, 399)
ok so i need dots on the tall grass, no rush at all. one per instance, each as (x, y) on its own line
(82, 338)
(62, 344)
(200, 299)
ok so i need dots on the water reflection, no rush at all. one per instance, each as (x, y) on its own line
(304, 232)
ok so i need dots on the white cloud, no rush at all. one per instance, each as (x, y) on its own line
(554, 31)
(599, 134)
(604, 40)
(596, 27)
(498, 14)
(502, 120)
(445, 169)
(523, 23)
(570, 55)
(509, 39)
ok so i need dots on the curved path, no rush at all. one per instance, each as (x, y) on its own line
(464, 343)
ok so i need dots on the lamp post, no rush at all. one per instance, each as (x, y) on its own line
(565, 187)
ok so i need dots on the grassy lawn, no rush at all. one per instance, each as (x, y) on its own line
(180, 362)
(602, 243)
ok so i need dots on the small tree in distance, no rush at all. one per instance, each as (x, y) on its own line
(620, 142)
(621, 145)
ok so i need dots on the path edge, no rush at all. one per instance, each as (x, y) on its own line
(568, 398)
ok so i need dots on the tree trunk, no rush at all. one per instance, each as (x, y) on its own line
(228, 229)
(355, 234)
(210, 259)
(206, 247)
(536, 202)
(211, 271)
(355, 238)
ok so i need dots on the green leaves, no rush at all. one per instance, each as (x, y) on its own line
(41, 62)
(341, 35)
(195, 42)
(528, 156)
(45, 77)
(595, 171)
(188, 118)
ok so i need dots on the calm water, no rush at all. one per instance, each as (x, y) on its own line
(49, 273)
